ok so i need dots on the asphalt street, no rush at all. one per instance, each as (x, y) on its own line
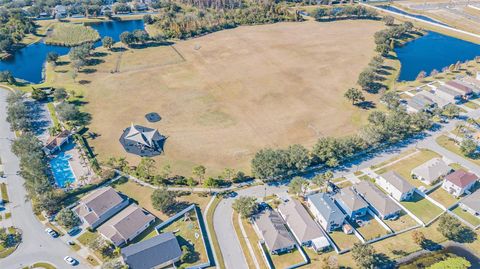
(36, 245)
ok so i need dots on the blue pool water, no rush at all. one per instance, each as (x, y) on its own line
(27, 63)
(421, 17)
(433, 51)
(62, 172)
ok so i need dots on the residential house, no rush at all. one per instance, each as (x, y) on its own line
(59, 11)
(271, 228)
(325, 211)
(55, 143)
(379, 202)
(459, 182)
(303, 227)
(351, 203)
(395, 185)
(126, 225)
(157, 252)
(465, 90)
(420, 102)
(431, 171)
(473, 83)
(471, 204)
(100, 205)
(106, 10)
(449, 94)
(440, 102)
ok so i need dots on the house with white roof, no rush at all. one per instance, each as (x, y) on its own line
(395, 185)
(431, 171)
(459, 182)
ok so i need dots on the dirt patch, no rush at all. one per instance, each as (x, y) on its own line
(224, 96)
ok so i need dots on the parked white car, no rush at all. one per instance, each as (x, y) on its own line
(70, 260)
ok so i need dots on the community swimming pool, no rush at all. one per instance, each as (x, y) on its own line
(61, 169)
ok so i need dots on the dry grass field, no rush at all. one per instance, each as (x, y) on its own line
(226, 95)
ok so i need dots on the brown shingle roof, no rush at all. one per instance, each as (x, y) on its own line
(461, 178)
(273, 230)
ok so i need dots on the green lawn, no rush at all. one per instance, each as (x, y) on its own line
(402, 223)
(471, 105)
(404, 167)
(3, 189)
(147, 234)
(287, 259)
(450, 145)
(43, 265)
(188, 233)
(342, 240)
(443, 197)
(213, 235)
(475, 221)
(422, 208)
(399, 156)
(87, 237)
(344, 184)
(53, 114)
(68, 34)
(371, 228)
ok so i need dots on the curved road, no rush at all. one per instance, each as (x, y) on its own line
(37, 245)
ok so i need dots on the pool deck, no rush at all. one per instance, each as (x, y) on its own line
(81, 170)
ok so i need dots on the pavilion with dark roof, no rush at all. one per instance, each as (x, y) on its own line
(142, 141)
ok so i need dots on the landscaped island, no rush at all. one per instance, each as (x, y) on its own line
(67, 34)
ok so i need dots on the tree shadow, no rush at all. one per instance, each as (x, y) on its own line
(386, 67)
(467, 235)
(61, 63)
(84, 82)
(94, 61)
(99, 54)
(151, 44)
(177, 207)
(383, 261)
(88, 70)
(119, 49)
(367, 105)
(383, 72)
(428, 244)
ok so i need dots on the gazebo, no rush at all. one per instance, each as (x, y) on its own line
(142, 141)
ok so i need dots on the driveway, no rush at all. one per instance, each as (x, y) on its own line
(36, 245)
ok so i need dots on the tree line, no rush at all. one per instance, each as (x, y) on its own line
(383, 129)
(33, 161)
(14, 25)
(345, 12)
(175, 21)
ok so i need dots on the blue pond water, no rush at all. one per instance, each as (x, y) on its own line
(399, 11)
(433, 51)
(62, 171)
(27, 63)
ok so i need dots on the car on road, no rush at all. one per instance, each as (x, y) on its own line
(51, 232)
(70, 260)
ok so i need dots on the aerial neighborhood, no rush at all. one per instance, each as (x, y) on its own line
(150, 134)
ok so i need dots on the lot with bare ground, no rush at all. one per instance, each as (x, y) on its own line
(224, 96)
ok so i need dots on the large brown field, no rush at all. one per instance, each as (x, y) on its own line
(226, 95)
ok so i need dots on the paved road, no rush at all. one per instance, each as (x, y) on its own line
(222, 221)
(36, 245)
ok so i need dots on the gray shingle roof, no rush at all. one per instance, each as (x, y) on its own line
(397, 181)
(473, 201)
(432, 170)
(351, 199)
(97, 203)
(124, 225)
(376, 198)
(449, 91)
(299, 221)
(152, 252)
(327, 207)
(273, 230)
